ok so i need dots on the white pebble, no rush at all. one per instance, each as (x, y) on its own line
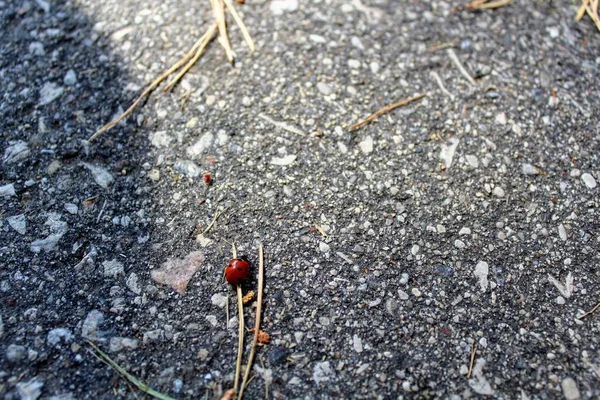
(501, 118)
(354, 64)
(529, 169)
(7, 190)
(498, 191)
(324, 88)
(589, 180)
(70, 78)
(71, 208)
(366, 146)
(570, 390)
(562, 232)
(414, 250)
(278, 7)
(472, 160)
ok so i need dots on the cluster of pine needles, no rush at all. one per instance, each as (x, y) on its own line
(589, 7)
(183, 65)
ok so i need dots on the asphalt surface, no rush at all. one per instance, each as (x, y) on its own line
(465, 223)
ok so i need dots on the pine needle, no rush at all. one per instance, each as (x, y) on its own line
(126, 375)
(149, 90)
(219, 12)
(385, 110)
(238, 364)
(205, 40)
(238, 20)
(261, 273)
(487, 5)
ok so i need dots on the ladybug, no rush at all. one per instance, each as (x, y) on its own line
(237, 270)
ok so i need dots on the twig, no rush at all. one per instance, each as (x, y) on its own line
(240, 23)
(473, 352)
(460, 67)
(121, 371)
(589, 312)
(281, 125)
(438, 79)
(261, 268)
(385, 110)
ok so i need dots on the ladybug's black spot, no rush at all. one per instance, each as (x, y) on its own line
(239, 268)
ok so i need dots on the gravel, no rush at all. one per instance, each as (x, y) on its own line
(470, 217)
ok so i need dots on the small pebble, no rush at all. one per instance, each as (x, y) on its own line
(562, 232)
(529, 169)
(71, 208)
(279, 7)
(70, 78)
(570, 390)
(16, 353)
(404, 279)
(589, 180)
(472, 160)
(501, 118)
(154, 175)
(498, 192)
(353, 64)
(324, 88)
(366, 146)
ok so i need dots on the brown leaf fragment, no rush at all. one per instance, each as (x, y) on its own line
(263, 337)
(248, 298)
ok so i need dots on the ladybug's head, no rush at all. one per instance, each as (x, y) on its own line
(244, 257)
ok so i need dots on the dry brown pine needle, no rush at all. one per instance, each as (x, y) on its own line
(263, 337)
(487, 4)
(249, 298)
(228, 395)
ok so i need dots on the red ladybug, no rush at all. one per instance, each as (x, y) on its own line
(237, 270)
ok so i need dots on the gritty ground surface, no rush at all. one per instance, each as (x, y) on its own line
(468, 218)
